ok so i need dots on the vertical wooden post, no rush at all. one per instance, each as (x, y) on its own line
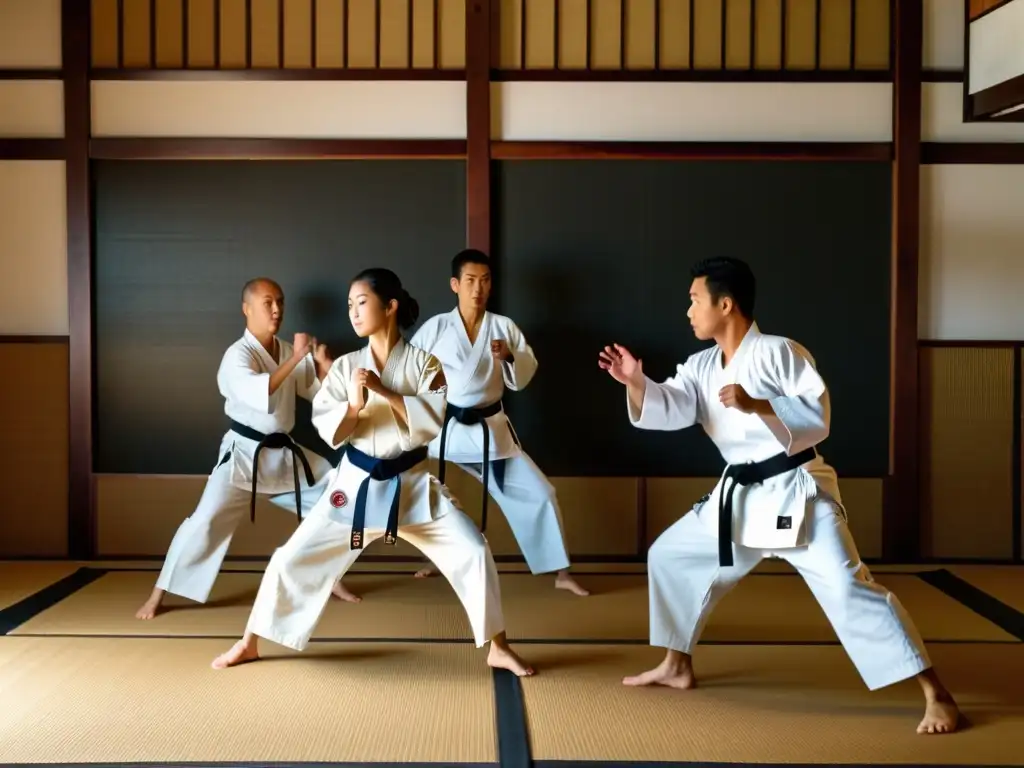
(902, 513)
(75, 46)
(478, 125)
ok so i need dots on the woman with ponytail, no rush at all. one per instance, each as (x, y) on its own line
(384, 403)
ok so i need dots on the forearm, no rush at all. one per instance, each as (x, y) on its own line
(763, 409)
(397, 403)
(518, 369)
(348, 424)
(636, 391)
(797, 423)
(322, 369)
(277, 378)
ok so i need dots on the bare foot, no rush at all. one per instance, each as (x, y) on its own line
(151, 607)
(676, 671)
(340, 591)
(940, 716)
(500, 656)
(426, 573)
(565, 581)
(245, 650)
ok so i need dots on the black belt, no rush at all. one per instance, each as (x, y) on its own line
(274, 440)
(380, 469)
(749, 474)
(471, 416)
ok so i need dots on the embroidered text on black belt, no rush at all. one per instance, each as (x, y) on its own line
(470, 416)
(275, 440)
(749, 474)
(380, 469)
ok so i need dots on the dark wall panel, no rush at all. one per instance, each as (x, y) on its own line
(595, 252)
(590, 252)
(175, 242)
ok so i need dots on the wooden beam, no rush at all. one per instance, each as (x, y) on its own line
(979, 8)
(902, 515)
(318, 73)
(216, 148)
(26, 339)
(690, 150)
(478, 125)
(31, 149)
(943, 76)
(31, 74)
(972, 153)
(988, 103)
(75, 32)
(694, 75)
(969, 344)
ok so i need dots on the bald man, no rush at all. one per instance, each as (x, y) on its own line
(260, 376)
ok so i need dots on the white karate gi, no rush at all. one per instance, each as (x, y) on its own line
(686, 579)
(297, 583)
(477, 380)
(198, 549)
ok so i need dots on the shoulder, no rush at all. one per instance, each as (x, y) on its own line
(240, 352)
(433, 325)
(503, 320)
(504, 323)
(419, 358)
(699, 361)
(343, 365)
(782, 350)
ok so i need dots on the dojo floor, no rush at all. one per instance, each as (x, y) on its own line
(396, 680)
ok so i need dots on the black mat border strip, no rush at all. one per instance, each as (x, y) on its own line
(251, 764)
(704, 764)
(28, 608)
(532, 764)
(1005, 617)
(510, 721)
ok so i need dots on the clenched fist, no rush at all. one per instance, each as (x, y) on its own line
(500, 350)
(735, 396)
(362, 377)
(301, 345)
(321, 357)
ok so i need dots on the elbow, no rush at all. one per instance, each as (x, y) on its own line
(802, 440)
(439, 383)
(518, 382)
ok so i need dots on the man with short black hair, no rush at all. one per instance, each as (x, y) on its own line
(259, 377)
(764, 405)
(483, 354)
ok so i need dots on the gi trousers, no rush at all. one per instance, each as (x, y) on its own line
(686, 582)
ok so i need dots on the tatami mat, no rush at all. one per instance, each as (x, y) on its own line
(1004, 583)
(91, 700)
(399, 606)
(760, 700)
(19, 580)
(768, 705)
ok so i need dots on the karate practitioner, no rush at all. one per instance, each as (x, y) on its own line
(764, 405)
(259, 377)
(483, 353)
(385, 403)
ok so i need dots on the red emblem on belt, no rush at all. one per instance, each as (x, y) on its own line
(339, 499)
